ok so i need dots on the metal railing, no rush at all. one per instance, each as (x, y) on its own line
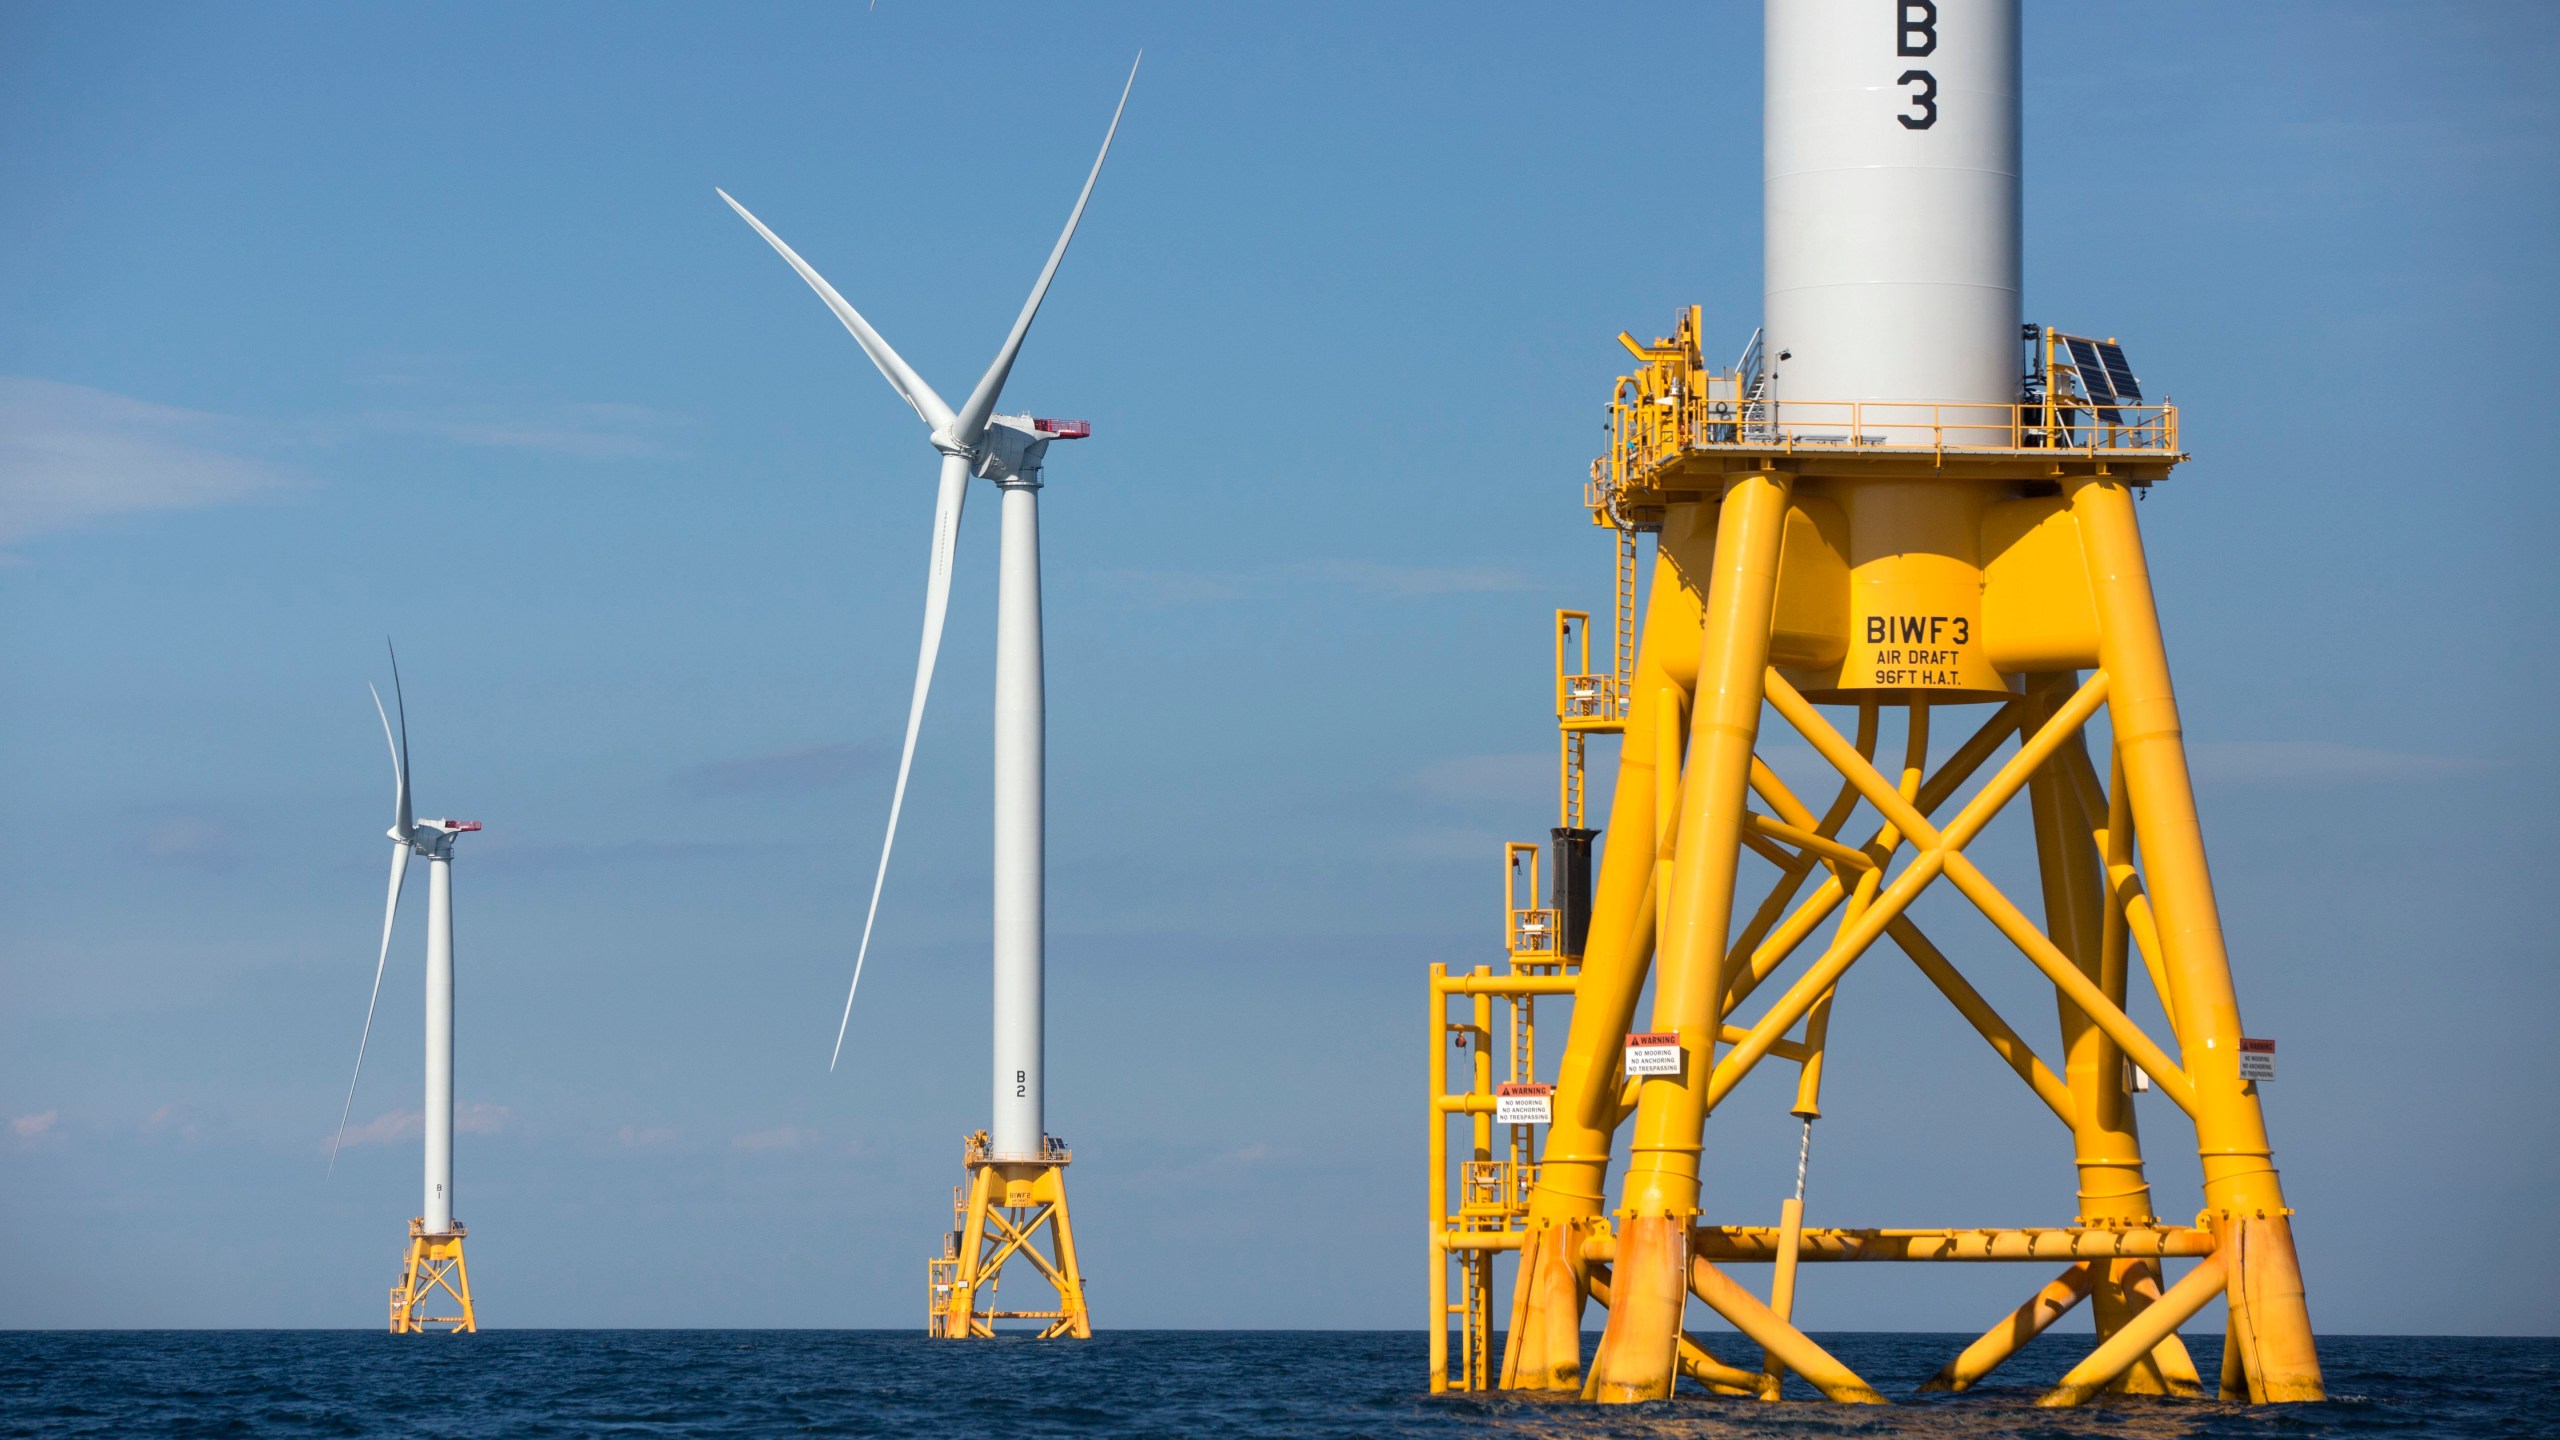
(1645, 432)
(974, 1150)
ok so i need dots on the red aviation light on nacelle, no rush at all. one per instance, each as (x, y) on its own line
(1063, 429)
(451, 827)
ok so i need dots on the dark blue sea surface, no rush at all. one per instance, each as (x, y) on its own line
(1136, 1383)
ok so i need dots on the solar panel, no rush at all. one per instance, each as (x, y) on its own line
(2094, 379)
(2093, 372)
(2119, 374)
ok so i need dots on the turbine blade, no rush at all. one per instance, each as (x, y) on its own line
(901, 376)
(937, 603)
(972, 419)
(390, 912)
(401, 821)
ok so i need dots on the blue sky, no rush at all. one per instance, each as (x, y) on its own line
(327, 323)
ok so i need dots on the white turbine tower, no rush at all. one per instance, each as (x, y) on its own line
(434, 1260)
(1015, 1166)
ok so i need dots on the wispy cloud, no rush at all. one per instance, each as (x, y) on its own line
(644, 1137)
(196, 841)
(35, 1127)
(173, 1119)
(1359, 577)
(781, 1137)
(382, 1129)
(2319, 762)
(70, 455)
(408, 1124)
(809, 767)
(584, 432)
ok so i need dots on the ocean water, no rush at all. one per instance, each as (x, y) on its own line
(1133, 1383)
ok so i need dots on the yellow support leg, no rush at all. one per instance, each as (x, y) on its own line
(1641, 1354)
(2244, 1201)
(1545, 1350)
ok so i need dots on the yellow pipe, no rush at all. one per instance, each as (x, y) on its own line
(2013, 1332)
(1744, 974)
(2125, 1287)
(1782, 1288)
(1544, 1349)
(1078, 1321)
(1696, 1361)
(1887, 798)
(2107, 1143)
(1945, 849)
(2272, 1322)
(2166, 1075)
(1764, 847)
(1483, 984)
(2107, 1147)
(1782, 1341)
(1985, 1020)
(2126, 885)
(1437, 1201)
(2140, 1335)
(1817, 1022)
(1764, 958)
(963, 1300)
(1806, 840)
(1662, 1155)
(1717, 1376)
(2127, 906)
(1758, 1244)
(1670, 747)
(1482, 1052)
(1826, 972)
(1743, 955)
(1857, 935)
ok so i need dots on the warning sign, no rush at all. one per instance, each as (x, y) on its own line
(2257, 1059)
(1524, 1104)
(1654, 1053)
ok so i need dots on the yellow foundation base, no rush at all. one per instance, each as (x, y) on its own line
(996, 1221)
(434, 1264)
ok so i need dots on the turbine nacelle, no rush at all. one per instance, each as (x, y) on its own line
(434, 838)
(1014, 445)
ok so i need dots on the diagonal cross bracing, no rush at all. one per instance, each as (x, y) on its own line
(1942, 852)
(1759, 952)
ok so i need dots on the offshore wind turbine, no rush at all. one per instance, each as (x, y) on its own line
(1015, 1166)
(434, 1259)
